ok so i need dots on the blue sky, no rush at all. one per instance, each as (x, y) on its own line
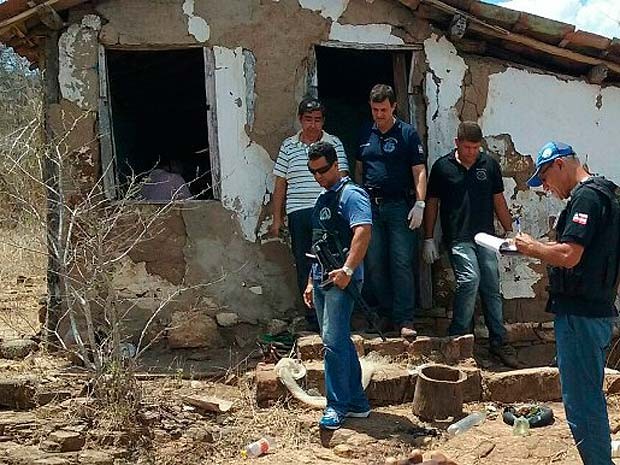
(599, 16)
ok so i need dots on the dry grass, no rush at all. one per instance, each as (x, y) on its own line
(22, 253)
(23, 263)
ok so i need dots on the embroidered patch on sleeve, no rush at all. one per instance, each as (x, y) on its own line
(580, 218)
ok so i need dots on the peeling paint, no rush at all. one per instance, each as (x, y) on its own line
(249, 71)
(77, 45)
(443, 89)
(245, 165)
(327, 8)
(364, 34)
(534, 209)
(535, 108)
(196, 26)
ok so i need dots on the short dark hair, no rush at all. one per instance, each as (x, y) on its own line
(310, 104)
(323, 149)
(469, 131)
(381, 92)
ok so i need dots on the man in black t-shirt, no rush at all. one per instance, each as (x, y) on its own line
(583, 279)
(466, 187)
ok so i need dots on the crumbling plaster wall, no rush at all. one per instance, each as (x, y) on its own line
(519, 109)
(261, 51)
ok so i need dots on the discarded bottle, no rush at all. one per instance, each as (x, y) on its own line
(615, 449)
(465, 424)
(258, 448)
(521, 427)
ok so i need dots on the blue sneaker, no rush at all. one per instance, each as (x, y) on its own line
(331, 419)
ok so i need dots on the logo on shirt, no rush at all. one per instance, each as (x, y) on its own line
(325, 214)
(420, 149)
(389, 144)
(481, 174)
(580, 218)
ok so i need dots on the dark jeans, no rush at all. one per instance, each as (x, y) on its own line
(343, 373)
(389, 260)
(300, 228)
(580, 344)
(476, 269)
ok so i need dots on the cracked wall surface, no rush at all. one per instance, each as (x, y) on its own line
(262, 51)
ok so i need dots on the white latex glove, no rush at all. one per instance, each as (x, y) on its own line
(429, 251)
(415, 214)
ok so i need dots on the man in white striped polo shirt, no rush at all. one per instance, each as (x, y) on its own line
(297, 186)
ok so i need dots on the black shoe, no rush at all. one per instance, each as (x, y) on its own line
(508, 355)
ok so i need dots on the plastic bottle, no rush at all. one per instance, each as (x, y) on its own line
(465, 424)
(521, 427)
(615, 449)
(258, 448)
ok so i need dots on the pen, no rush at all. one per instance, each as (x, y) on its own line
(518, 224)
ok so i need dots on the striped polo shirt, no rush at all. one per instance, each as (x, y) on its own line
(292, 165)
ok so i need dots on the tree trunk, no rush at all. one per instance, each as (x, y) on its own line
(438, 392)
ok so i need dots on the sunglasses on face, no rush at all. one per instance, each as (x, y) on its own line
(321, 170)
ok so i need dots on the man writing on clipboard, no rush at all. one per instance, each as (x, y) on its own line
(583, 279)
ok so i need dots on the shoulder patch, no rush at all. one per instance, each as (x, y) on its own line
(580, 218)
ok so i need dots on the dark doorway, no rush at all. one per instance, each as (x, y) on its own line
(159, 115)
(345, 77)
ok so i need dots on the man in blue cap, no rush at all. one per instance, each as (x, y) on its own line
(583, 280)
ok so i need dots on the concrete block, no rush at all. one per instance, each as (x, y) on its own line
(531, 384)
(392, 346)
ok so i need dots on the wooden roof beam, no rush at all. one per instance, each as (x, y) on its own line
(24, 16)
(477, 25)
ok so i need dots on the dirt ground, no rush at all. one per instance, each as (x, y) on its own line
(167, 430)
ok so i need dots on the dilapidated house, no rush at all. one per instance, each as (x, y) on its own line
(215, 85)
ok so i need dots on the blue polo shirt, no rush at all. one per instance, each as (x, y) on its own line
(387, 158)
(354, 209)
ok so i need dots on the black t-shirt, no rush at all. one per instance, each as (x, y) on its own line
(387, 158)
(465, 195)
(585, 222)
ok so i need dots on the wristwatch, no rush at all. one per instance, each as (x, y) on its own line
(348, 271)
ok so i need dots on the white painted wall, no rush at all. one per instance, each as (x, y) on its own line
(78, 44)
(196, 26)
(443, 91)
(535, 108)
(327, 8)
(364, 34)
(245, 166)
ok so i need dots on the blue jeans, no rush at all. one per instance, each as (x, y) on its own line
(343, 373)
(580, 344)
(300, 228)
(389, 260)
(476, 269)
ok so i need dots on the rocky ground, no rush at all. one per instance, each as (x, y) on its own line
(173, 420)
(190, 408)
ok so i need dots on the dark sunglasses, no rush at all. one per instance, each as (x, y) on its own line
(321, 170)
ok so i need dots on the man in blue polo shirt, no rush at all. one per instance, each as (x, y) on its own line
(390, 166)
(341, 220)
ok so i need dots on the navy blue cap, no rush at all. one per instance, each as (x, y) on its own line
(549, 152)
